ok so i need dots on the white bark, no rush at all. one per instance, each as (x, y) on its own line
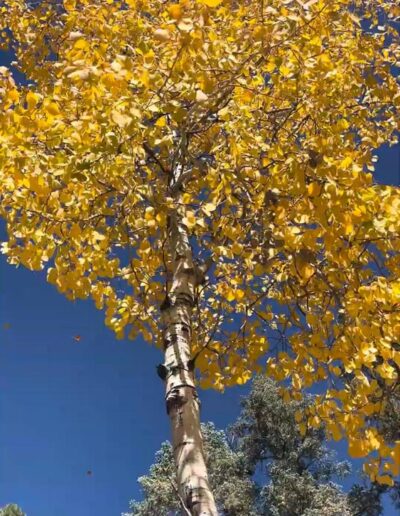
(181, 397)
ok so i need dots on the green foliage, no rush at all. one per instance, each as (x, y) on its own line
(366, 499)
(234, 490)
(158, 487)
(389, 420)
(298, 465)
(11, 510)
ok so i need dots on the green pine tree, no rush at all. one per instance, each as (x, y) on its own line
(11, 510)
(261, 466)
(234, 490)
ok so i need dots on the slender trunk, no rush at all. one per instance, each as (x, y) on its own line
(181, 398)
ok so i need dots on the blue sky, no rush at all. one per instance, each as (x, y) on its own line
(68, 406)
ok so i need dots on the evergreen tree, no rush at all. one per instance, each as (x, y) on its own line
(365, 498)
(11, 510)
(235, 491)
(295, 473)
(299, 467)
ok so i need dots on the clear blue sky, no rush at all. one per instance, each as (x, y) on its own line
(67, 407)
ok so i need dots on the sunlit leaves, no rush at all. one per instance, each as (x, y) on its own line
(259, 128)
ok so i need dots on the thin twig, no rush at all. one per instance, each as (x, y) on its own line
(185, 509)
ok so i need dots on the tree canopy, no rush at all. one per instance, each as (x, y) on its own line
(256, 122)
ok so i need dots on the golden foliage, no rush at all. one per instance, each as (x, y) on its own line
(273, 110)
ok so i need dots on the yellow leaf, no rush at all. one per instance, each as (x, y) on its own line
(161, 122)
(296, 381)
(52, 275)
(175, 11)
(334, 429)
(373, 439)
(239, 294)
(38, 185)
(81, 44)
(149, 213)
(12, 96)
(237, 248)
(348, 226)
(385, 479)
(74, 35)
(161, 218)
(32, 99)
(145, 79)
(98, 236)
(396, 289)
(304, 268)
(83, 75)
(313, 189)
(187, 198)
(346, 162)
(69, 5)
(75, 230)
(209, 208)
(336, 370)
(210, 3)
(52, 108)
(120, 119)
(200, 222)
(284, 70)
(243, 377)
(302, 428)
(185, 25)
(270, 67)
(259, 269)
(357, 448)
(189, 220)
(229, 294)
(298, 416)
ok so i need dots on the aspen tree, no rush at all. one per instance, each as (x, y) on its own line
(203, 170)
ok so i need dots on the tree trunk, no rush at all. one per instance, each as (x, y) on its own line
(181, 398)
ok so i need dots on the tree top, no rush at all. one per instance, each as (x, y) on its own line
(255, 122)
